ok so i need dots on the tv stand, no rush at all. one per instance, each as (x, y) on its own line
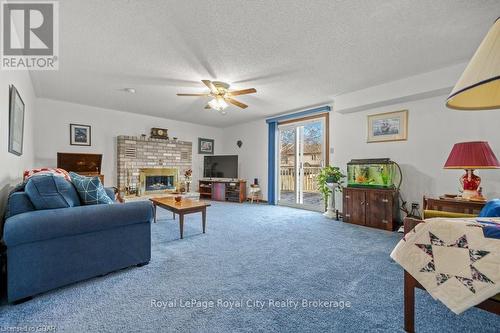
(223, 189)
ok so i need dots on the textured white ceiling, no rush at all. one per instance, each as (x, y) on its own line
(295, 53)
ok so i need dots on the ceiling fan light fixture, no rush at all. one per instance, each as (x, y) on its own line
(218, 103)
(222, 102)
(221, 96)
(129, 90)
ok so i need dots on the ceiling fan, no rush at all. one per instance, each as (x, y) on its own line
(221, 96)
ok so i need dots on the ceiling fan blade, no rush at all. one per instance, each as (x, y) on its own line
(193, 94)
(242, 92)
(235, 102)
(210, 86)
(207, 107)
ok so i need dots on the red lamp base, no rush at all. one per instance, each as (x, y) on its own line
(470, 184)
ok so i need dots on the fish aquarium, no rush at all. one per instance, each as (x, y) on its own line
(374, 173)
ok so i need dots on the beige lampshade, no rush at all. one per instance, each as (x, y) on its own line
(479, 86)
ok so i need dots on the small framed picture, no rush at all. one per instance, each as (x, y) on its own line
(390, 126)
(80, 135)
(16, 122)
(205, 146)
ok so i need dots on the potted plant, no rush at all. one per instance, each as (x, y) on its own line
(329, 179)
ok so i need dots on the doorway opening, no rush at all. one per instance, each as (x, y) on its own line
(303, 151)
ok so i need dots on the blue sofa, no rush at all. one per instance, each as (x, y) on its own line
(50, 248)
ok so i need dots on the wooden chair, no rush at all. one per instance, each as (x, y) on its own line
(490, 305)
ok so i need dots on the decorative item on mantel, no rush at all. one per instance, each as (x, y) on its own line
(188, 177)
(159, 133)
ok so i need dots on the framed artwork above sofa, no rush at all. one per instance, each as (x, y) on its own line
(80, 135)
(16, 122)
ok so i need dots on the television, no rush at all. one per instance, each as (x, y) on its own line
(222, 166)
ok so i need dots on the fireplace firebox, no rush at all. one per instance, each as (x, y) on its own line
(158, 183)
(157, 180)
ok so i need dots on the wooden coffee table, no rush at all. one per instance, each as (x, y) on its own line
(185, 206)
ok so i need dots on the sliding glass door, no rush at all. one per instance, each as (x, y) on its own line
(302, 153)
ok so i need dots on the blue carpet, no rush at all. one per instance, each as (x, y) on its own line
(255, 253)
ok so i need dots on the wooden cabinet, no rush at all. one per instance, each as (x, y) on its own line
(354, 207)
(377, 208)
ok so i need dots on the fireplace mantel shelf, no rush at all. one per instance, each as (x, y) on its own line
(138, 138)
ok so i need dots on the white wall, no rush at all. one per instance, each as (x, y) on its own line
(252, 156)
(12, 166)
(416, 87)
(433, 129)
(52, 133)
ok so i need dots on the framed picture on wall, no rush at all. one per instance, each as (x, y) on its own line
(205, 146)
(390, 126)
(16, 122)
(80, 135)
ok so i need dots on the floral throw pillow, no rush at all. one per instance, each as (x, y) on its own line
(51, 171)
(90, 189)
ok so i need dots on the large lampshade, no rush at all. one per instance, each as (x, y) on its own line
(472, 155)
(479, 86)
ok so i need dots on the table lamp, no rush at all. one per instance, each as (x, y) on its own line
(470, 156)
(479, 86)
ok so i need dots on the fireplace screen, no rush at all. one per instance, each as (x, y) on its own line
(158, 183)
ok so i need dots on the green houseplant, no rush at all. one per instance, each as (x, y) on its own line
(329, 174)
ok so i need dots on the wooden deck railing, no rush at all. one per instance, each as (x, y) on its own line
(287, 178)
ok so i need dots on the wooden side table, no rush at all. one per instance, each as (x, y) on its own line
(254, 194)
(453, 205)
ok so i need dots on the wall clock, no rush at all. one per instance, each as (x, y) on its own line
(159, 133)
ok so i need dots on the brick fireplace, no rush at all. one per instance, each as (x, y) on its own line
(152, 165)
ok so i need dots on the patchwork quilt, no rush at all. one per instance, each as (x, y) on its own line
(456, 260)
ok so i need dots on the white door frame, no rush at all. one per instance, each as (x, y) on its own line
(299, 164)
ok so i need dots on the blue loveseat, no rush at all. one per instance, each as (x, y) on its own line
(50, 248)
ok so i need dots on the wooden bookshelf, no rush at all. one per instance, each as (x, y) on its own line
(205, 189)
(223, 190)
